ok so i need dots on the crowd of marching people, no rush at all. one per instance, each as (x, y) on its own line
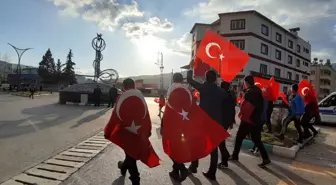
(192, 131)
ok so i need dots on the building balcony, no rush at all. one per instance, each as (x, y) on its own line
(327, 77)
(324, 86)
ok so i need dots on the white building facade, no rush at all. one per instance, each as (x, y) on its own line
(273, 50)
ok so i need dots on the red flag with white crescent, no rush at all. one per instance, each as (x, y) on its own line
(307, 91)
(130, 127)
(222, 55)
(196, 94)
(188, 133)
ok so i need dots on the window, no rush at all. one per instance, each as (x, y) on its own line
(239, 43)
(264, 30)
(264, 49)
(278, 54)
(192, 53)
(277, 72)
(290, 44)
(238, 24)
(297, 77)
(289, 75)
(306, 64)
(290, 59)
(193, 37)
(305, 50)
(312, 72)
(305, 77)
(298, 48)
(285, 89)
(331, 101)
(298, 63)
(278, 37)
(263, 68)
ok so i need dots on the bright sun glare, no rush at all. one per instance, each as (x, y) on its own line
(149, 46)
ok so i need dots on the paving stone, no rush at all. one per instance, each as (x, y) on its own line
(84, 151)
(48, 174)
(95, 142)
(68, 153)
(64, 163)
(72, 158)
(99, 140)
(11, 182)
(89, 147)
(95, 145)
(50, 167)
(35, 180)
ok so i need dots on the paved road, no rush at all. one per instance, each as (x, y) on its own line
(34, 130)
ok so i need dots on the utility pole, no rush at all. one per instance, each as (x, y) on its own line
(160, 64)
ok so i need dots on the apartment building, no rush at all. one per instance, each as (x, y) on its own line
(323, 76)
(274, 50)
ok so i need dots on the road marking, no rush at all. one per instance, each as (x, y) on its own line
(60, 167)
(313, 169)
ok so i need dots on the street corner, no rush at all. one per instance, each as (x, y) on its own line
(58, 168)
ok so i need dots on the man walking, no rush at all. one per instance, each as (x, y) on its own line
(113, 93)
(251, 116)
(229, 110)
(96, 95)
(212, 101)
(295, 111)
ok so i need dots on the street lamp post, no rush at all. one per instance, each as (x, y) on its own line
(19, 53)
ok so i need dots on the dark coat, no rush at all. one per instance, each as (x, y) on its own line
(254, 96)
(113, 93)
(97, 92)
(213, 99)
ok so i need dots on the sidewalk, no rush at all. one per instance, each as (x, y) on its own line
(103, 170)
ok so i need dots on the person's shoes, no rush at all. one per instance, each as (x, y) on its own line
(280, 136)
(184, 174)
(233, 158)
(192, 169)
(209, 176)
(251, 150)
(315, 134)
(298, 141)
(264, 163)
(223, 165)
(122, 170)
(174, 175)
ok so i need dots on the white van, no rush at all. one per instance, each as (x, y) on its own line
(327, 108)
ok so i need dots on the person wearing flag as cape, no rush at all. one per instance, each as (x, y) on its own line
(130, 128)
(188, 132)
(251, 116)
(213, 101)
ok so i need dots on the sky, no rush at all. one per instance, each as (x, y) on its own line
(135, 31)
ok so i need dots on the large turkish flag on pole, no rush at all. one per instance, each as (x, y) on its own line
(221, 55)
(270, 88)
(188, 133)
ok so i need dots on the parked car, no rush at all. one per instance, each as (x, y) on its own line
(327, 108)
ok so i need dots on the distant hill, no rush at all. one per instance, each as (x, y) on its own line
(155, 79)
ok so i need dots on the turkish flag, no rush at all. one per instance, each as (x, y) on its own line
(188, 133)
(270, 88)
(130, 127)
(283, 96)
(157, 100)
(307, 91)
(222, 56)
(196, 94)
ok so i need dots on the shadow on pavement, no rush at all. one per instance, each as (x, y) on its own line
(234, 176)
(287, 176)
(174, 182)
(119, 181)
(243, 167)
(194, 179)
(91, 117)
(41, 117)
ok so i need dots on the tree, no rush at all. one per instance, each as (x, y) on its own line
(47, 68)
(321, 61)
(315, 60)
(58, 71)
(69, 71)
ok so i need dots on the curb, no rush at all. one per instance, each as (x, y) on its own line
(278, 150)
(28, 95)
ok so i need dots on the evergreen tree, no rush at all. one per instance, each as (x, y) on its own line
(47, 68)
(58, 71)
(69, 71)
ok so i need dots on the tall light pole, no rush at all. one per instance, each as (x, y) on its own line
(160, 64)
(19, 53)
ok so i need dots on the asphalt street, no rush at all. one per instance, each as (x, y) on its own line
(31, 131)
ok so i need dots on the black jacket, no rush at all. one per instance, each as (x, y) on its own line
(254, 96)
(213, 99)
(113, 93)
(97, 92)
